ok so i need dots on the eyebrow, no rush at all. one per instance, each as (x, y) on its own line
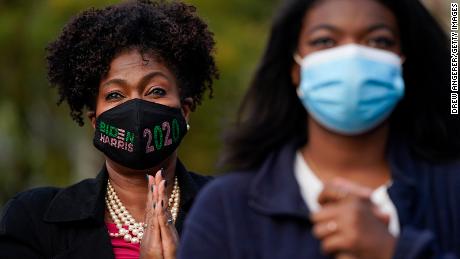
(322, 26)
(381, 26)
(368, 30)
(145, 79)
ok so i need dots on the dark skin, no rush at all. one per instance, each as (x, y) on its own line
(145, 77)
(354, 165)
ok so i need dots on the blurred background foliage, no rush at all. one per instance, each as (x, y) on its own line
(41, 145)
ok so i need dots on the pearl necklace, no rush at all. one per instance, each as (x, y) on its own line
(121, 216)
(174, 200)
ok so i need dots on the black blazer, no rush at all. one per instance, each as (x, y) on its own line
(52, 222)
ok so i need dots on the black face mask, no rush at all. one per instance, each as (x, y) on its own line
(139, 134)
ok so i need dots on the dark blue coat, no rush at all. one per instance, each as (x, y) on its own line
(261, 214)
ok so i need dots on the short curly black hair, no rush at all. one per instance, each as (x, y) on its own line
(80, 57)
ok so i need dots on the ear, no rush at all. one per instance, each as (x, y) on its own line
(403, 58)
(295, 74)
(186, 107)
(92, 117)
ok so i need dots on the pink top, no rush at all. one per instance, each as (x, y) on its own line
(121, 248)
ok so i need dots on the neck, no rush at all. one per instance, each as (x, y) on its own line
(357, 158)
(131, 185)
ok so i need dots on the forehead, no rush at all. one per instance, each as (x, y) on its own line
(131, 62)
(349, 14)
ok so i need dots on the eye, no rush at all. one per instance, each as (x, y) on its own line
(381, 42)
(323, 43)
(113, 96)
(157, 92)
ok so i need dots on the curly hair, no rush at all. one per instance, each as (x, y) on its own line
(80, 57)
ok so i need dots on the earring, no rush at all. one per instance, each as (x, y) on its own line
(188, 127)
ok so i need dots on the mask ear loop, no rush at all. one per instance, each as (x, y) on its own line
(403, 60)
(297, 58)
(182, 100)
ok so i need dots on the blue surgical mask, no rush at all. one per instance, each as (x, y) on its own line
(350, 89)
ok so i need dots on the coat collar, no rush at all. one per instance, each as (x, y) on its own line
(405, 170)
(274, 190)
(85, 200)
(81, 201)
(189, 188)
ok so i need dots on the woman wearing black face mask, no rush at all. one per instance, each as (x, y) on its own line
(139, 68)
(345, 146)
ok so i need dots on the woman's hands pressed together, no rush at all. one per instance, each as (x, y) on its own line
(349, 225)
(160, 239)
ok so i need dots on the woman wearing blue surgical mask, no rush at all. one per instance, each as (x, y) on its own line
(139, 68)
(344, 146)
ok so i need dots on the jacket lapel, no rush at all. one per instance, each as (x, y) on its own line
(274, 190)
(188, 190)
(81, 208)
(404, 171)
(82, 201)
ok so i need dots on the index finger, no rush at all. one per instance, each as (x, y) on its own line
(159, 177)
(149, 203)
(168, 231)
(327, 213)
(151, 239)
(339, 189)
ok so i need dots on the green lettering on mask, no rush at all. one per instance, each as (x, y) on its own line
(129, 137)
(175, 130)
(158, 137)
(113, 132)
(102, 127)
